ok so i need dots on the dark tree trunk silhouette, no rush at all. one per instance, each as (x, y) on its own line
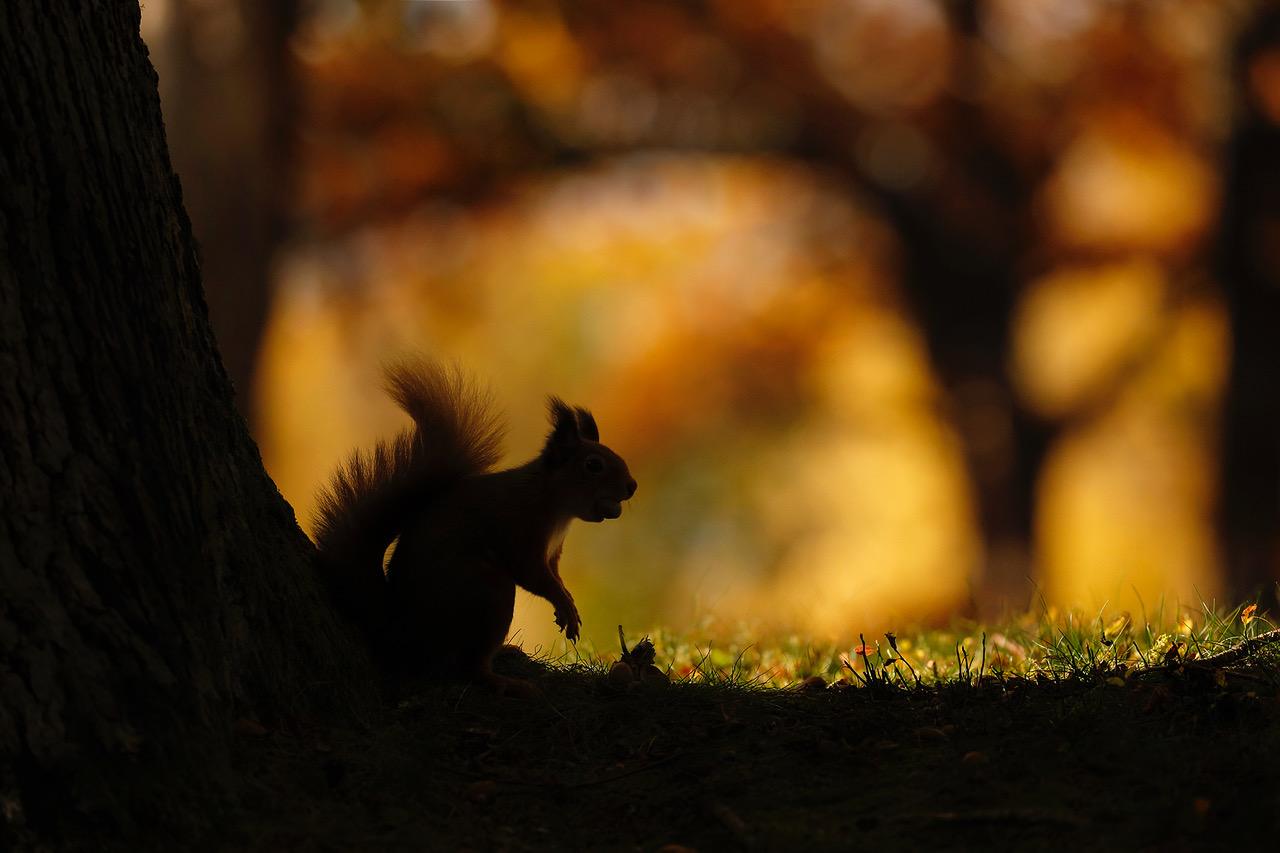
(961, 274)
(227, 89)
(1249, 238)
(155, 586)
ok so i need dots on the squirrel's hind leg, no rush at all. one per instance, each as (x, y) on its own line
(487, 634)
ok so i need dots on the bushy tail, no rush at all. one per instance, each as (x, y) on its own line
(371, 497)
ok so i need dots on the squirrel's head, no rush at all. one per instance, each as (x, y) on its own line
(590, 479)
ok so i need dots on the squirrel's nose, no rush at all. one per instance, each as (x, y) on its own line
(631, 488)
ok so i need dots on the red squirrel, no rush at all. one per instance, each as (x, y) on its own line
(465, 536)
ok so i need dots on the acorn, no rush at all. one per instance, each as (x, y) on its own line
(639, 662)
(621, 675)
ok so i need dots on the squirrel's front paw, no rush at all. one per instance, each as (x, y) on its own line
(567, 619)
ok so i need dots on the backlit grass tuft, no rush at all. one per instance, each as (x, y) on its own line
(1050, 644)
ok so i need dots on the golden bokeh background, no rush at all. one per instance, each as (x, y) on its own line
(899, 309)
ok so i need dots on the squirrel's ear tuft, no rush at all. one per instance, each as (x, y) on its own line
(563, 439)
(587, 424)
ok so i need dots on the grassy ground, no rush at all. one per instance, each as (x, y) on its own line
(1069, 734)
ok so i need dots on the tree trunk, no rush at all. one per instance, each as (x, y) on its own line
(226, 87)
(155, 584)
(961, 280)
(1249, 265)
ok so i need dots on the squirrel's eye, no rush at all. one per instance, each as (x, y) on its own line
(594, 464)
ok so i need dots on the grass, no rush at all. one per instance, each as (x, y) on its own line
(1053, 732)
(1052, 643)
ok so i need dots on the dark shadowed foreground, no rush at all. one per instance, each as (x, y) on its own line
(1168, 760)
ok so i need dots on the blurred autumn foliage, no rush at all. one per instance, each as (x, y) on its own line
(892, 304)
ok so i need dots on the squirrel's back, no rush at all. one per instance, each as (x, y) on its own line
(371, 497)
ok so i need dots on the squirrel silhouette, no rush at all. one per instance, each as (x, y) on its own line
(465, 535)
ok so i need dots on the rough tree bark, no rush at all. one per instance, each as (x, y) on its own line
(155, 586)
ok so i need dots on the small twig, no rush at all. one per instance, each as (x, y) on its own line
(1243, 649)
(983, 666)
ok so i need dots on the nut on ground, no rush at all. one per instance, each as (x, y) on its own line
(621, 675)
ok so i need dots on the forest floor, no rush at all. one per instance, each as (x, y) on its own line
(1177, 755)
